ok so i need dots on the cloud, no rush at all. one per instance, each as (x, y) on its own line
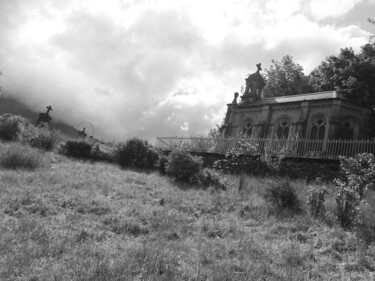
(150, 68)
(322, 9)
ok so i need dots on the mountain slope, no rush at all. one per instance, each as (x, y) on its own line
(9, 105)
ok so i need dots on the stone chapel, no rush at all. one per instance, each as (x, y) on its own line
(316, 116)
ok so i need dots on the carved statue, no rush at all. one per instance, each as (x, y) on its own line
(254, 84)
(44, 117)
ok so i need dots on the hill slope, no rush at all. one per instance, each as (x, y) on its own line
(9, 105)
(74, 220)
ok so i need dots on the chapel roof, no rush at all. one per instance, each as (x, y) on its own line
(295, 98)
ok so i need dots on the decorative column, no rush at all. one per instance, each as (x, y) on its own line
(334, 121)
(303, 118)
(259, 130)
(266, 117)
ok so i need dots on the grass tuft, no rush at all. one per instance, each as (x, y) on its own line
(16, 156)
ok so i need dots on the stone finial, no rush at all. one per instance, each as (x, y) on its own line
(254, 85)
(235, 98)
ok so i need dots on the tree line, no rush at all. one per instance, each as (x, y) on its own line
(351, 74)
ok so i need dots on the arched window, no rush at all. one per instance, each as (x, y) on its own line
(346, 130)
(248, 129)
(318, 129)
(282, 131)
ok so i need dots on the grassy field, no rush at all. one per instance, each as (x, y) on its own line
(72, 220)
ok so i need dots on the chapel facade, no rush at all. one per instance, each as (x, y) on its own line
(316, 116)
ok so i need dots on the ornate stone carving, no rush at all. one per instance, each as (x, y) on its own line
(254, 85)
(235, 98)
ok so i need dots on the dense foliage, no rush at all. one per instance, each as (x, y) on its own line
(136, 153)
(183, 167)
(40, 137)
(316, 199)
(242, 159)
(10, 126)
(77, 149)
(207, 177)
(351, 74)
(351, 191)
(285, 78)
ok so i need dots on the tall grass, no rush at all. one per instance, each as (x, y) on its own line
(11, 126)
(94, 221)
(17, 156)
(40, 137)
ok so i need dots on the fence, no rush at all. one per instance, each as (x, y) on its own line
(299, 148)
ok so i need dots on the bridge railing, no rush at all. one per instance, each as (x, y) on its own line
(301, 148)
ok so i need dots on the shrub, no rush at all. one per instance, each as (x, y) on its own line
(239, 164)
(347, 200)
(40, 137)
(183, 166)
(17, 156)
(359, 177)
(359, 172)
(366, 219)
(207, 177)
(77, 149)
(10, 126)
(162, 164)
(315, 199)
(102, 152)
(136, 153)
(282, 196)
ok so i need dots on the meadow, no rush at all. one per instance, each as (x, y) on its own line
(76, 220)
(63, 218)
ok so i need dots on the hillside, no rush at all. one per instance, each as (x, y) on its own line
(74, 220)
(9, 105)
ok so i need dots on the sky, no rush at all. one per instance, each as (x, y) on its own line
(150, 68)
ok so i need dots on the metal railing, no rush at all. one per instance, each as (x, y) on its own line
(301, 148)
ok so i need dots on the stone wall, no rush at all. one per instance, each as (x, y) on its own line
(294, 168)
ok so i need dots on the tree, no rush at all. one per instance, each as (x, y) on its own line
(373, 22)
(285, 78)
(215, 132)
(351, 75)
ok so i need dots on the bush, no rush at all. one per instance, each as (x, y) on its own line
(40, 137)
(207, 177)
(282, 196)
(162, 164)
(17, 156)
(77, 149)
(315, 199)
(350, 192)
(347, 200)
(359, 172)
(10, 126)
(136, 153)
(102, 152)
(183, 166)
